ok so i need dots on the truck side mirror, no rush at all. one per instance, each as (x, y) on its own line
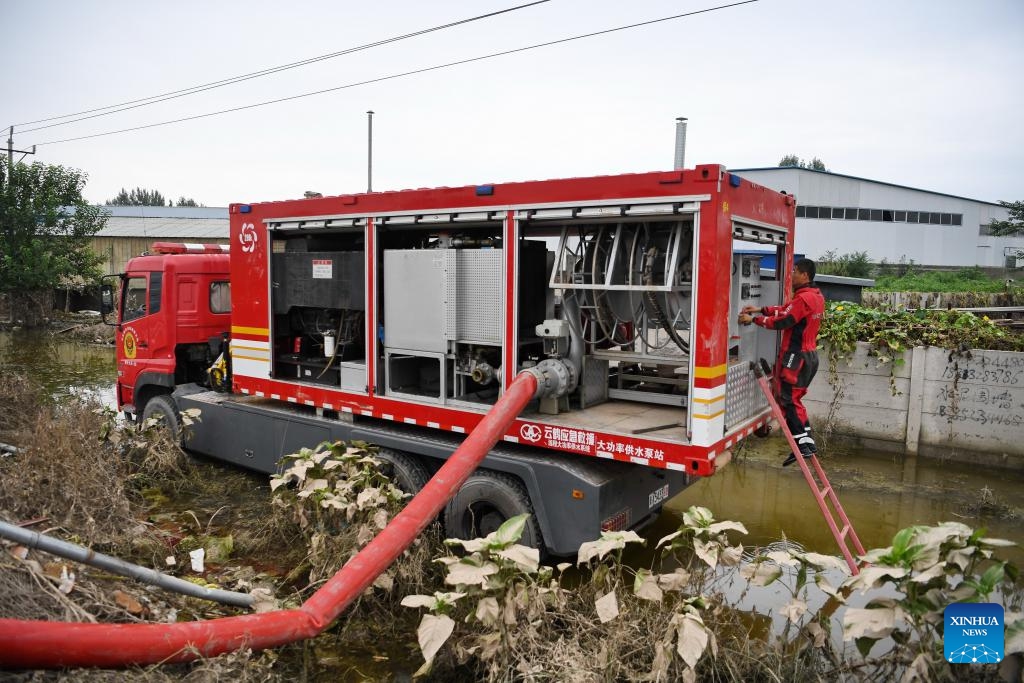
(106, 301)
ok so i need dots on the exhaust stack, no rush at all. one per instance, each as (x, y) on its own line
(680, 143)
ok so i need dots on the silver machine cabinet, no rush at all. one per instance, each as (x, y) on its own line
(436, 296)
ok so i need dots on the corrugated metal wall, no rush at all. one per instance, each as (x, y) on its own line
(117, 250)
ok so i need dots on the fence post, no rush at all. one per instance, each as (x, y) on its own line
(915, 402)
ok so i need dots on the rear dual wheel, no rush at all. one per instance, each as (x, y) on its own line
(485, 502)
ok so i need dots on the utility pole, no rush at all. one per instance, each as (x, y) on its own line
(10, 155)
(369, 151)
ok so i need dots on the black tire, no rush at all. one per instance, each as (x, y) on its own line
(763, 431)
(404, 469)
(165, 412)
(485, 502)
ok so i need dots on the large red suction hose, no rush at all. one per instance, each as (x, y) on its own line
(39, 644)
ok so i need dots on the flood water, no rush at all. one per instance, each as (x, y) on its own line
(881, 492)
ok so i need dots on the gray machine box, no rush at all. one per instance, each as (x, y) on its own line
(319, 279)
(436, 296)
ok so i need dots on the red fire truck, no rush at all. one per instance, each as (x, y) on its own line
(398, 318)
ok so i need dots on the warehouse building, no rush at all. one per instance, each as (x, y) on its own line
(846, 214)
(131, 230)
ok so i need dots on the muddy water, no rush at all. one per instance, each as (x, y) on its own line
(62, 367)
(881, 493)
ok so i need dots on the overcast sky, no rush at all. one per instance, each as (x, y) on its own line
(926, 93)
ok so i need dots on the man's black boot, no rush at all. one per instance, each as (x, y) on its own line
(806, 445)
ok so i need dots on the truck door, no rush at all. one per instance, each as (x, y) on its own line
(142, 342)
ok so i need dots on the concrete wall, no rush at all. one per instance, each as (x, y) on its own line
(968, 409)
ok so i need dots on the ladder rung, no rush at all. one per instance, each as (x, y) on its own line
(825, 491)
(846, 530)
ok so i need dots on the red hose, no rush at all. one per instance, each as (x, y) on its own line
(40, 644)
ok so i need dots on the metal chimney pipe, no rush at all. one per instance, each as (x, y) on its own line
(680, 143)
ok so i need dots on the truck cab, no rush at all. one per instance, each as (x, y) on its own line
(173, 313)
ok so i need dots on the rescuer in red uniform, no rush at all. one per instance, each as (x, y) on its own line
(799, 319)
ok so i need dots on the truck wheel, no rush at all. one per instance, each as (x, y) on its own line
(764, 430)
(162, 409)
(485, 502)
(405, 470)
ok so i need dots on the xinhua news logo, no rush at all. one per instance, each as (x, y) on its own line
(973, 633)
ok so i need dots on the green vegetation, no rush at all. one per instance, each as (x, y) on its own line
(45, 227)
(845, 265)
(814, 164)
(141, 196)
(1015, 224)
(890, 333)
(971, 279)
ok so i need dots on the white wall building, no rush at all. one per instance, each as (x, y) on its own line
(846, 214)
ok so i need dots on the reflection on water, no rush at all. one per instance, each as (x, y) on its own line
(63, 368)
(881, 494)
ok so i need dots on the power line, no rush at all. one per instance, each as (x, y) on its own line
(403, 74)
(174, 94)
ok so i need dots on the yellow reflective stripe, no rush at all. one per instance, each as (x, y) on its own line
(239, 329)
(709, 400)
(261, 360)
(712, 416)
(712, 372)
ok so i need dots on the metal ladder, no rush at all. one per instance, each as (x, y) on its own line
(842, 535)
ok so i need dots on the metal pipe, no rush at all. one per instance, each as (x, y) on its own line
(680, 143)
(55, 546)
(369, 151)
(40, 644)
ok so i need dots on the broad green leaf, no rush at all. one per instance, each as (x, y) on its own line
(511, 530)
(901, 541)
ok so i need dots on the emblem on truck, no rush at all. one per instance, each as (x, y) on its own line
(530, 432)
(130, 344)
(248, 238)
